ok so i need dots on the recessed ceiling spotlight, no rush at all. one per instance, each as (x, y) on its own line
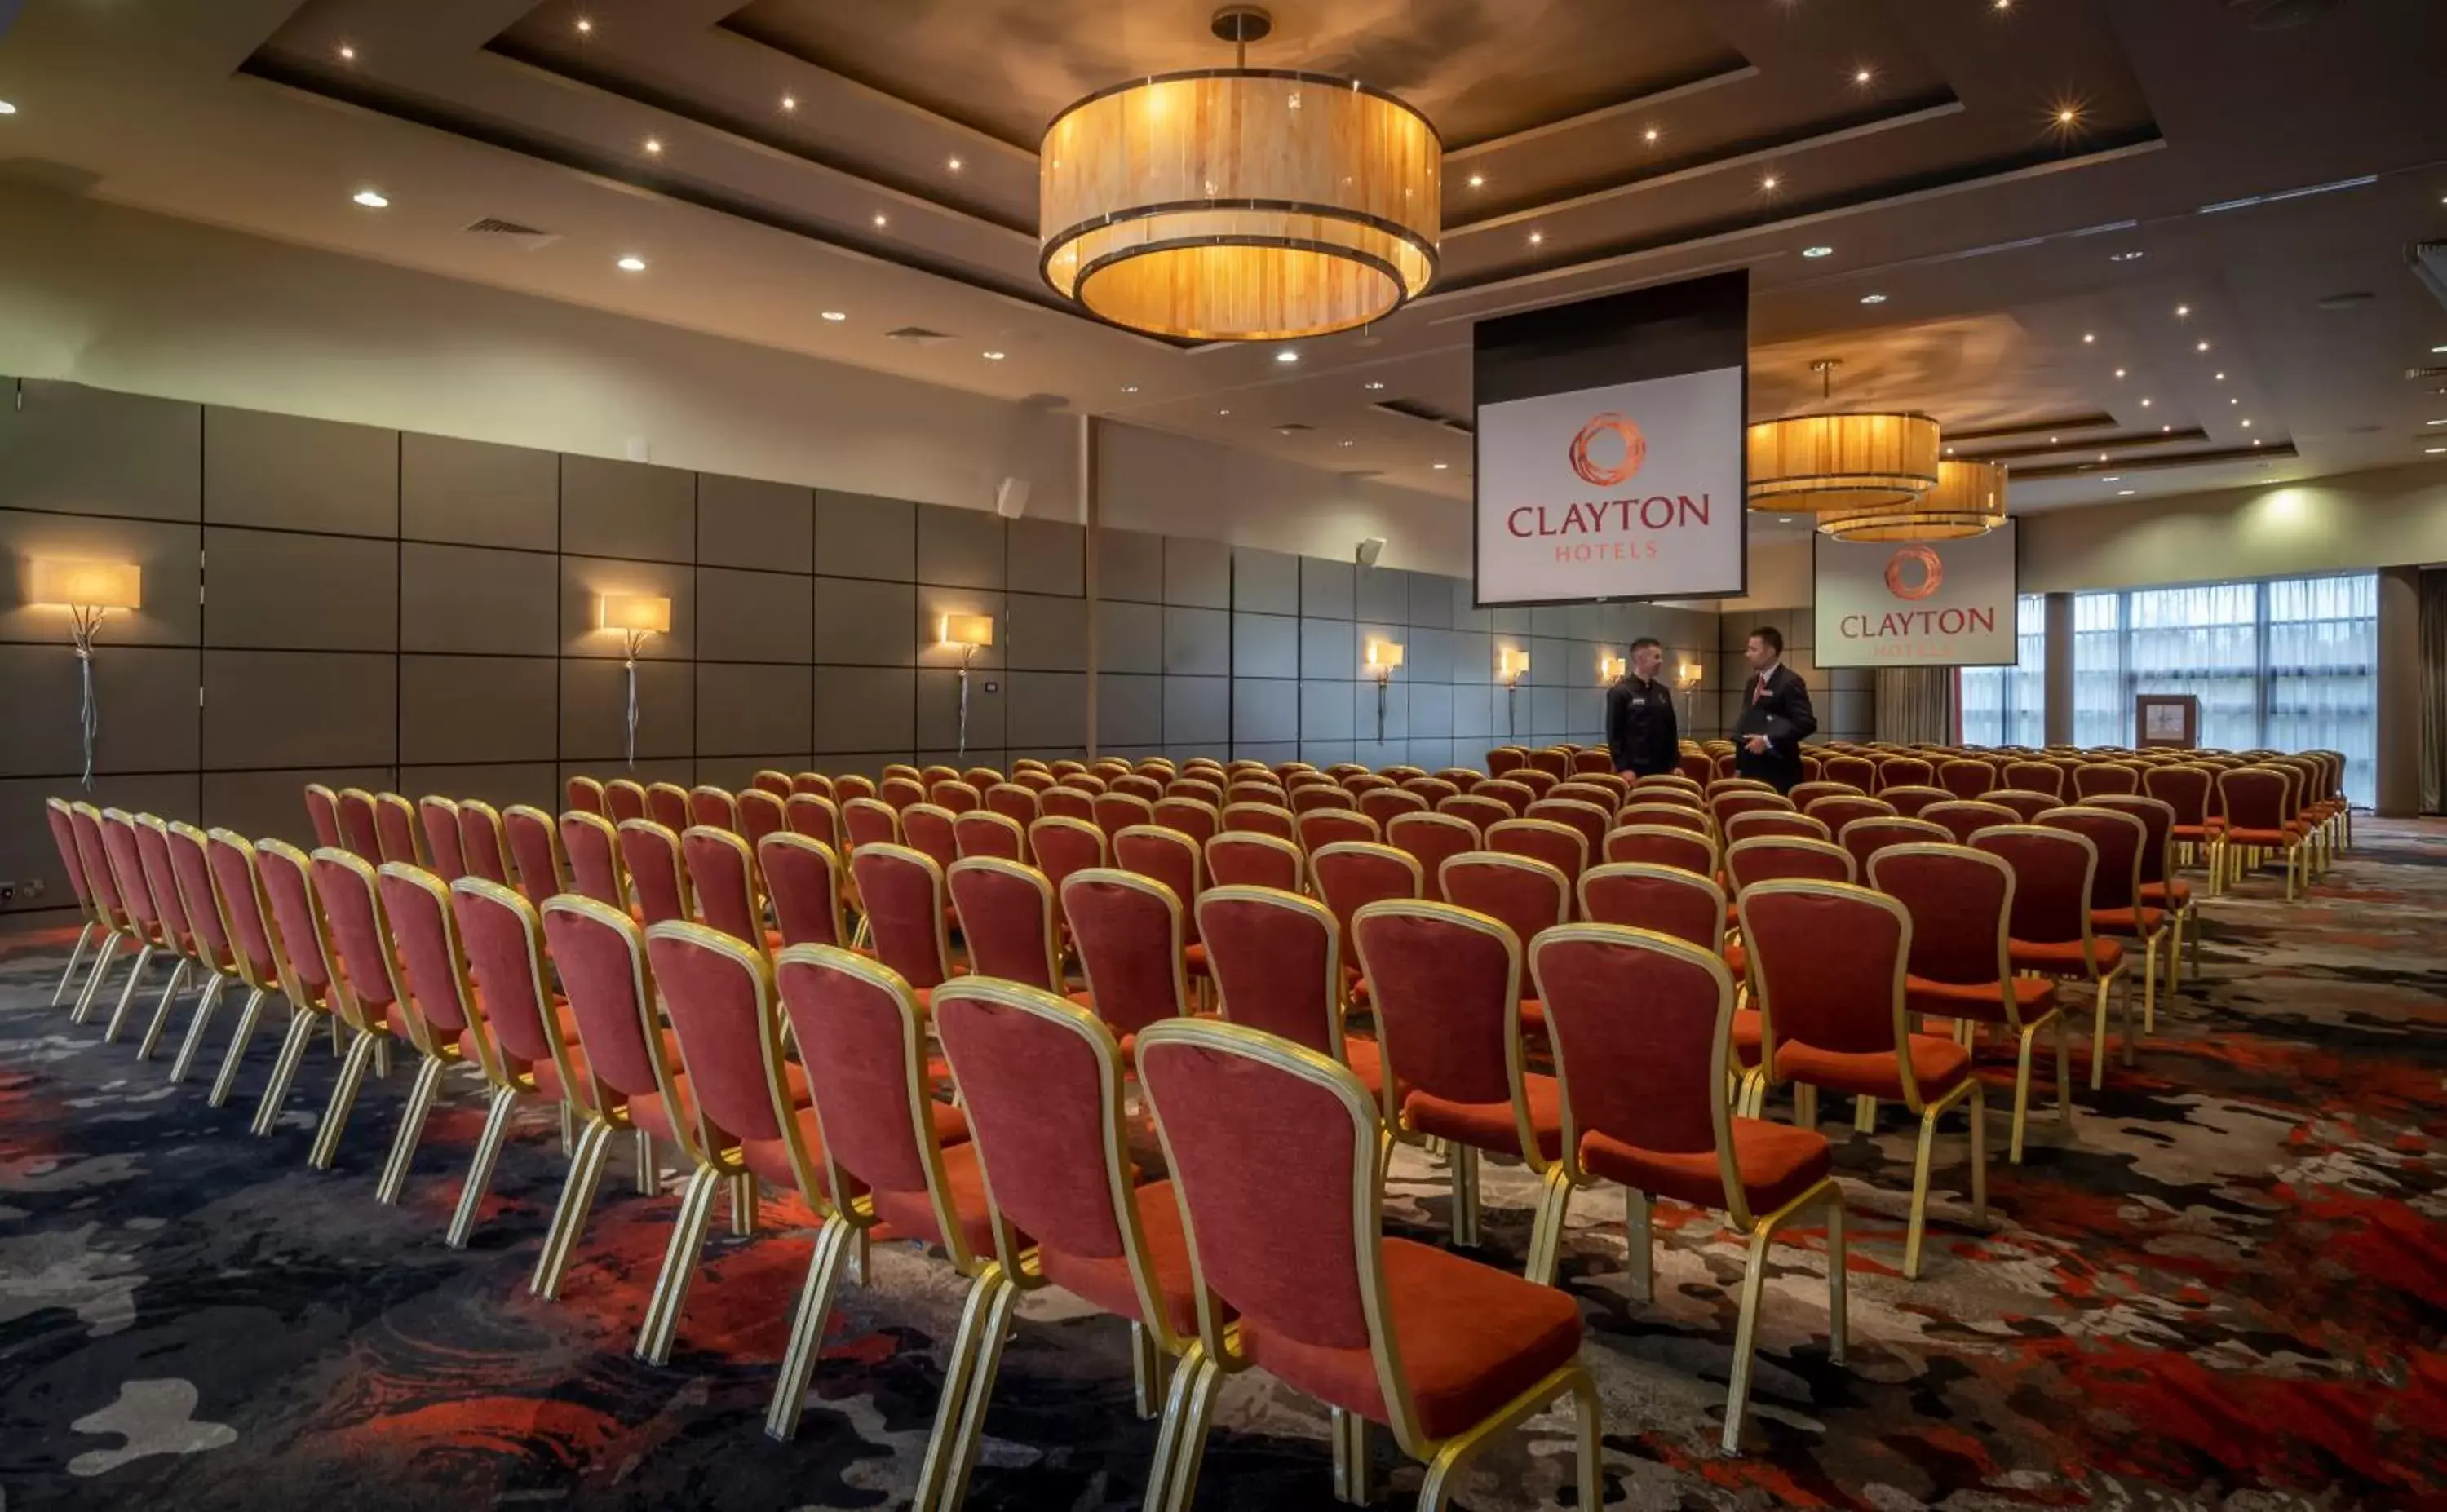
(371, 199)
(1873, 300)
(1129, 388)
(2113, 478)
(585, 27)
(654, 145)
(2433, 451)
(1372, 385)
(1860, 76)
(1537, 238)
(1784, 519)
(2167, 428)
(1478, 180)
(1287, 355)
(2234, 399)
(2135, 255)
(2103, 455)
(1222, 411)
(1349, 444)
(1818, 251)
(1949, 451)
(2181, 310)
(2436, 351)
(836, 315)
(880, 220)
(2088, 337)
(2145, 404)
(990, 356)
(631, 263)
(790, 102)
(2255, 441)
(1649, 135)
(2246, 422)
(2004, 4)
(2200, 346)
(2067, 115)
(2124, 493)
(2120, 373)
(2052, 441)
(2221, 377)
(1768, 182)
(348, 54)
(952, 164)
(1442, 465)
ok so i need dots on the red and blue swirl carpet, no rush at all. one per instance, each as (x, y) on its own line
(2225, 1287)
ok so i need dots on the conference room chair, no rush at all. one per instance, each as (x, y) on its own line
(437, 1012)
(1108, 768)
(890, 1153)
(627, 1063)
(1670, 816)
(1760, 822)
(1643, 1106)
(1516, 795)
(2050, 934)
(1961, 968)
(154, 933)
(814, 784)
(1522, 893)
(670, 806)
(582, 793)
(1591, 818)
(1782, 858)
(900, 770)
(1865, 838)
(1344, 771)
(1245, 767)
(308, 975)
(954, 795)
(1461, 777)
(1554, 761)
(804, 883)
(370, 1000)
(657, 871)
(1695, 766)
(1725, 805)
(847, 785)
(1130, 784)
(1903, 771)
(1042, 1080)
(1431, 840)
(1432, 790)
(1477, 810)
(1592, 761)
(1006, 914)
(1322, 796)
(1246, 859)
(323, 814)
(56, 815)
(928, 827)
(1087, 783)
(1363, 781)
(439, 818)
(902, 892)
(1014, 800)
(2253, 801)
(360, 826)
(1270, 818)
(1840, 1021)
(1836, 810)
(2027, 803)
(897, 791)
(2115, 905)
(1445, 990)
(1661, 845)
(1352, 874)
(2160, 887)
(1538, 781)
(1559, 846)
(1061, 846)
(722, 881)
(1274, 1151)
(1193, 817)
(397, 835)
(1607, 791)
(761, 813)
(1067, 767)
(191, 963)
(1320, 828)
(1911, 801)
(983, 832)
(111, 905)
(2094, 779)
(1857, 772)
(1132, 933)
(1116, 812)
(1804, 794)
(1385, 805)
(937, 772)
(1207, 787)
(623, 799)
(766, 780)
(1278, 964)
(1966, 778)
(591, 844)
(1963, 818)
(870, 821)
(254, 953)
(1504, 760)
(1174, 859)
(2034, 776)
(209, 942)
(813, 816)
(484, 840)
(515, 1035)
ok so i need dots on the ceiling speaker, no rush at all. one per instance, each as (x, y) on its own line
(1011, 498)
(1370, 550)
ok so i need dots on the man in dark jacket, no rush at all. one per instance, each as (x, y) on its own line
(1775, 715)
(1640, 715)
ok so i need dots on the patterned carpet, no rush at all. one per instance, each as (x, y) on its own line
(2227, 1287)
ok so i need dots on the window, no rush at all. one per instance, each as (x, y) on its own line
(2101, 711)
(2007, 706)
(2322, 663)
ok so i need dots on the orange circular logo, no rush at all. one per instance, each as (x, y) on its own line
(1932, 573)
(1635, 450)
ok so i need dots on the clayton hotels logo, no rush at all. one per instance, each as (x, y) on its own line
(1635, 450)
(1900, 579)
(1914, 573)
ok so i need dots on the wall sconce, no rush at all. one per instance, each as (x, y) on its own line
(1610, 669)
(636, 617)
(87, 590)
(1383, 656)
(1510, 666)
(971, 633)
(1688, 676)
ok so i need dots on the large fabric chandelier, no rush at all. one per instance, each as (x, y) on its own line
(1240, 204)
(1969, 500)
(1845, 463)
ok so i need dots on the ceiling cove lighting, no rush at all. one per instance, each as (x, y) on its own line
(631, 263)
(1818, 251)
(371, 199)
(1238, 203)
(1873, 300)
(1969, 500)
(836, 315)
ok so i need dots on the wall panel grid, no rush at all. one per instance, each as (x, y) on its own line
(1843, 697)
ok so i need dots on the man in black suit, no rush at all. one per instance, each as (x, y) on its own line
(1640, 715)
(1775, 717)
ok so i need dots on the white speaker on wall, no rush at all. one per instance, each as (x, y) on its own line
(1370, 550)
(1010, 498)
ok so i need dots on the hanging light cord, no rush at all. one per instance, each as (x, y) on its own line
(966, 657)
(636, 638)
(85, 621)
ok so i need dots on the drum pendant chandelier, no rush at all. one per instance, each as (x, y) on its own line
(1240, 204)
(1841, 463)
(1969, 500)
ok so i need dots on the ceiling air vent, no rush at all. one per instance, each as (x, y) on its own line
(2426, 374)
(919, 335)
(526, 238)
(1291, 427)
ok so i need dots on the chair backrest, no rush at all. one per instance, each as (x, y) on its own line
(128, 873)
(1651, 1079)
(762, 812)
(1116, 812)
(954, 795)
(161, 881)
(1776, 859)
(584, 794)
(903, 892)
(63, 827)
(191, 872)
(927, 827)
(2119, 839)
(1006, 913)
(658, 871)
(1903, 771)
(1804, 794)
(771, 781)
(1063, 845)
(1965, 778)
(600, 954)
(323, 814)
(2035, 777)
(1431, 840)
(1353, 874)
(1763, 821)
(2186, 788)
(2254, 798)
(1963, 818)
(1559, 846)
(1671, 816)
(1638, 894)
(349, 890)
(2026, 803)
(1662, 845)
(1321, 796)
(358, 830)
(255, 951)
(718, 993)
(1262, 819)
(1513, 792)
(1961, 900)
(1129, 933)
(1521, 892)
(983, 832)
(287, 875)
(1723, 806)
(2092, 778)
(899, 789)
(1837, 810)
(1137, 785)
(439, 818)
(484, 841)
(814, 815)
(433, 968)
(1865, 838)
(1591, 818)
(1193, 817)
(803, 879)
(1911, 801)
(93, 857)
(1014, 801)
(667, 803)
(847, 785)
(1827, 961)
(2157, 819)
(870, 821)
(1244, 859)
(592, 846)
(502, 936)
(1445, 987)
(1068, 802)
(2053, 871)
(1169, 856)
(1320, 828)
(1276, 963)
(623, 798)
(722, 875)
(1853, 771)
(1385, 805)
(1477, 810)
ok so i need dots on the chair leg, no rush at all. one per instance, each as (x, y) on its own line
(103, 960)
(1546, 1236)
(2099, 1034)
(1738, 1391)
(662, 1322)
(76, 959)
(2174, 950)
(1805, 1106)
(343, 1099)
(807, 1330)
(1350, 1435)
(227, 1076)
(650, 1176)
(1839, 1324)
(2064, 1075)
(302, 1025)
(480, 1170)
(568, 1127)
(1146, 1372)
(1642, 1238)
(2149, 984)
(743, 1204)
(1181, 1444)
(1918, 1194)
(193, 1039)
(1865, 1115)
(411, 1131)
(1588, 1439)
(127, 995)
(2193, 939)
(968, 1386)
(1753, 1093)
(2022, 1092)
(161, 1019)
(569, 1216)
(1461, 1166)
(1979, 1154)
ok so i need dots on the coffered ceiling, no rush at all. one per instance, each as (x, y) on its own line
(2132, 247)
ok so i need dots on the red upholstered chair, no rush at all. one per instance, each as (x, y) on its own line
(1087, 783)
(927, 827)
(1278, 964)
(1865, 838)
(713, 808)
(155, 932)
(1504, 760)
(1385, 805)
(656, 870)
(591, 847)
(1964, 818)
(1242, 859)
(438, 820)
(1606, 790)
(1555, 761)
(111, 905)
(814, 815)
(1445, 987)
(323, 814)
(1262, 819)
(1592, 761)
(1477, 810)
(1130, 934)
(207, 930)
(937, 772)
(2115, 905)
(899, 789)
(982, 832)
(1662, 845)
(178, 933)
(1591, 818)
(2160, 887)
(768, 780)
(254, 956)
(1516, 795)
(1853, 771)
(359, 832)
(1432, 790)
(1559, 846)
(2256, 803)
(1275, 1152)
(1804, 794)
(1903, 771)
(435, 1005)
(1206, 787)
(870, 821)
(668, 805)
(1255, 790)
(903, 892)
(1036, 778)
(308, 970)
(623, 798)
(847, 785)
(2190, 789)
(1014, 801)
(1669, 900)
(1961, 901)
(1966, 778)
(1062, 846)
(803, 879)
(1644, 1107)
(516, 1036)
(1668, 816)
(1912, 802)
(2049, 934)
(955, 796)
(761, 813)
(2035, 776)
(1194, 817)
(1840, 810)
(722, 878)
(1675, 782)
(1828, 963)
(1723, 806)
(2027, 803)
(1134, 785)
(1431, 840)
(1006, 913)
(584, 794)
(1697, 765)
(1778, 858)
(1344, 771)
(1042, 1082)
(1322, 796)
(1116, 812)
(749, 1104)
(1320, 828)
(1522, 893)
(90, 923)
(1171, 858)
(1766, 822)
(358, 937)
(1538, 780)
(2092, 778)
(1353, 874)
(483, 847)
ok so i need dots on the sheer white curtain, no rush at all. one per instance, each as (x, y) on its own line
(2102, 716)
(2323, 673)
(2204, 641)
(2007, 706)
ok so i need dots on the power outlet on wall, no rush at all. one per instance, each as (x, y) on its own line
(8, 894)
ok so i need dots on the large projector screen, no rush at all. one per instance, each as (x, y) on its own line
(1936, 603)
(1609, 441)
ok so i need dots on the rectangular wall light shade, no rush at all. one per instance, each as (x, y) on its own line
(1610, 668)
(965, 630)
(647, 612)
(1384, 656)
(64, 583)
(1511, 664)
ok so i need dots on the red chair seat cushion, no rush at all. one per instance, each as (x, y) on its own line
(2063, 958)
(2033, 996)
(964, 1184)
(1106, 1279)
(1471, 1337)
(1776, 1163)
(1937, 1064)
(1737, 960)
(771, 1158)
(1533, 1018)
(2177, 895)
(2135, 921)
(1193, 960)
(2278, 837)
(1489, 1126)
(1749, 1030)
